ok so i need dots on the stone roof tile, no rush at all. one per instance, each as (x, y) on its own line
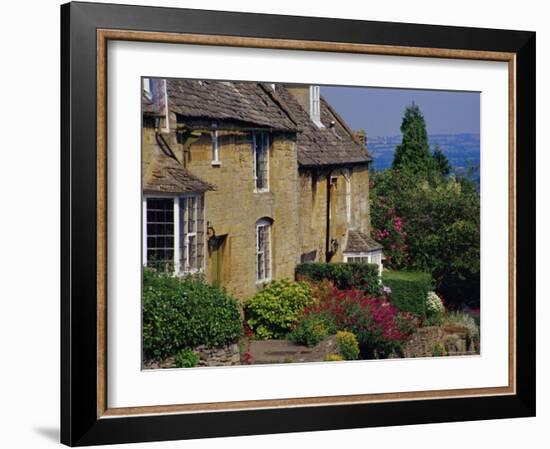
(359, 242)
(220, 100)
(333, 144)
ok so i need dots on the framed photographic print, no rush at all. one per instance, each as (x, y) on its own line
(281, 224)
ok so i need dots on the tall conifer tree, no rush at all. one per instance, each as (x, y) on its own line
(413, 153)
(442, 164)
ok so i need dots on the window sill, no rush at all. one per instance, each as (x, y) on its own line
(261, 191)
(216, 164)
(190, 272)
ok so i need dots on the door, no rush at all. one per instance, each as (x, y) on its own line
(216, 258)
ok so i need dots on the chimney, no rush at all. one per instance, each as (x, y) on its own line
(361, 136)
(309, 97)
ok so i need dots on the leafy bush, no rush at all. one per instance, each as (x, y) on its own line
(440, 220)
(310, 331)
(439, 350)
(347, 345)
(408, 290)
(333, 358)
(187, 358)
(185, 313)
(273, 312)
(407, 323)
(345, 276)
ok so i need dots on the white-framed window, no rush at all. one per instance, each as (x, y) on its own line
(260, 147)
(357, 258)
(160, 233)
(374, 257)
(315, 105)
(173, 234)
(347, 177)
(263, 250)
(147, 87)
(192, 233)
(215, 148)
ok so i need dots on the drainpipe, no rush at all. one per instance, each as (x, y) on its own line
(188, 138)
(328, 254)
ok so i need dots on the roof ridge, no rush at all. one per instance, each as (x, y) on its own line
(275, 97)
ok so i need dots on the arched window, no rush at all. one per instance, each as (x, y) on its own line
(263, 249)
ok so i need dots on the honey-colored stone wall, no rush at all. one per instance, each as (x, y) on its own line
(296, 202)
(234, 207)
(313, 208)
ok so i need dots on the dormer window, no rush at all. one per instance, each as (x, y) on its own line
(315, 105)
(215, 148)
(147, 88)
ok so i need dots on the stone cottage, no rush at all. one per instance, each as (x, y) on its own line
(242, 181)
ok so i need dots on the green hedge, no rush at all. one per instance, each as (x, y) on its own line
(185, 313)
(409, 290)
(344, 276)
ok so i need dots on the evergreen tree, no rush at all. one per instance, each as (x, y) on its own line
(413, 153)
(442, 164)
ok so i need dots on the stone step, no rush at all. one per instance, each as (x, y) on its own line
(286, 351)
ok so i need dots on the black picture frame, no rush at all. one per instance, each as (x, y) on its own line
(80, 424)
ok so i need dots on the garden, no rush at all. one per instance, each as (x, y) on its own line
(330, 312)
(426, 216)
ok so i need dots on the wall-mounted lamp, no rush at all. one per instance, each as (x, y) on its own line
(212, 239)
(334, 246)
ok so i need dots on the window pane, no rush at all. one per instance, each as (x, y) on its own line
(191, 216)
(263, 256)
(261, 156)
(192, 252)
(192, 233)
(160, 231)
(260, 263)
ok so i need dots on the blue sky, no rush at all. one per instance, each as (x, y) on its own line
(379, 110)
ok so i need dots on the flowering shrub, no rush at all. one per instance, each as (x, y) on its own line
(407, 322)
(333, 358)
(273, 311)
(435, 308)
(434, 304)
(247, 357)
(374, 321)
(391, 235)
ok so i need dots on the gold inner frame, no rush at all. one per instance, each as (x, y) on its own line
(104, 35)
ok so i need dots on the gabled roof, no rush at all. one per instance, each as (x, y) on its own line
(359, 242)
(247, 103)
(163, 173)
(258, 105)
(334, 144)
(149, 108)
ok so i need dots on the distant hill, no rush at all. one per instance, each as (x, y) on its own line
(462, 150)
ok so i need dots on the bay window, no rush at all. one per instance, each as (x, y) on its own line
(174, 233)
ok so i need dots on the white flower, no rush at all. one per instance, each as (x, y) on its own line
(434, 305)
